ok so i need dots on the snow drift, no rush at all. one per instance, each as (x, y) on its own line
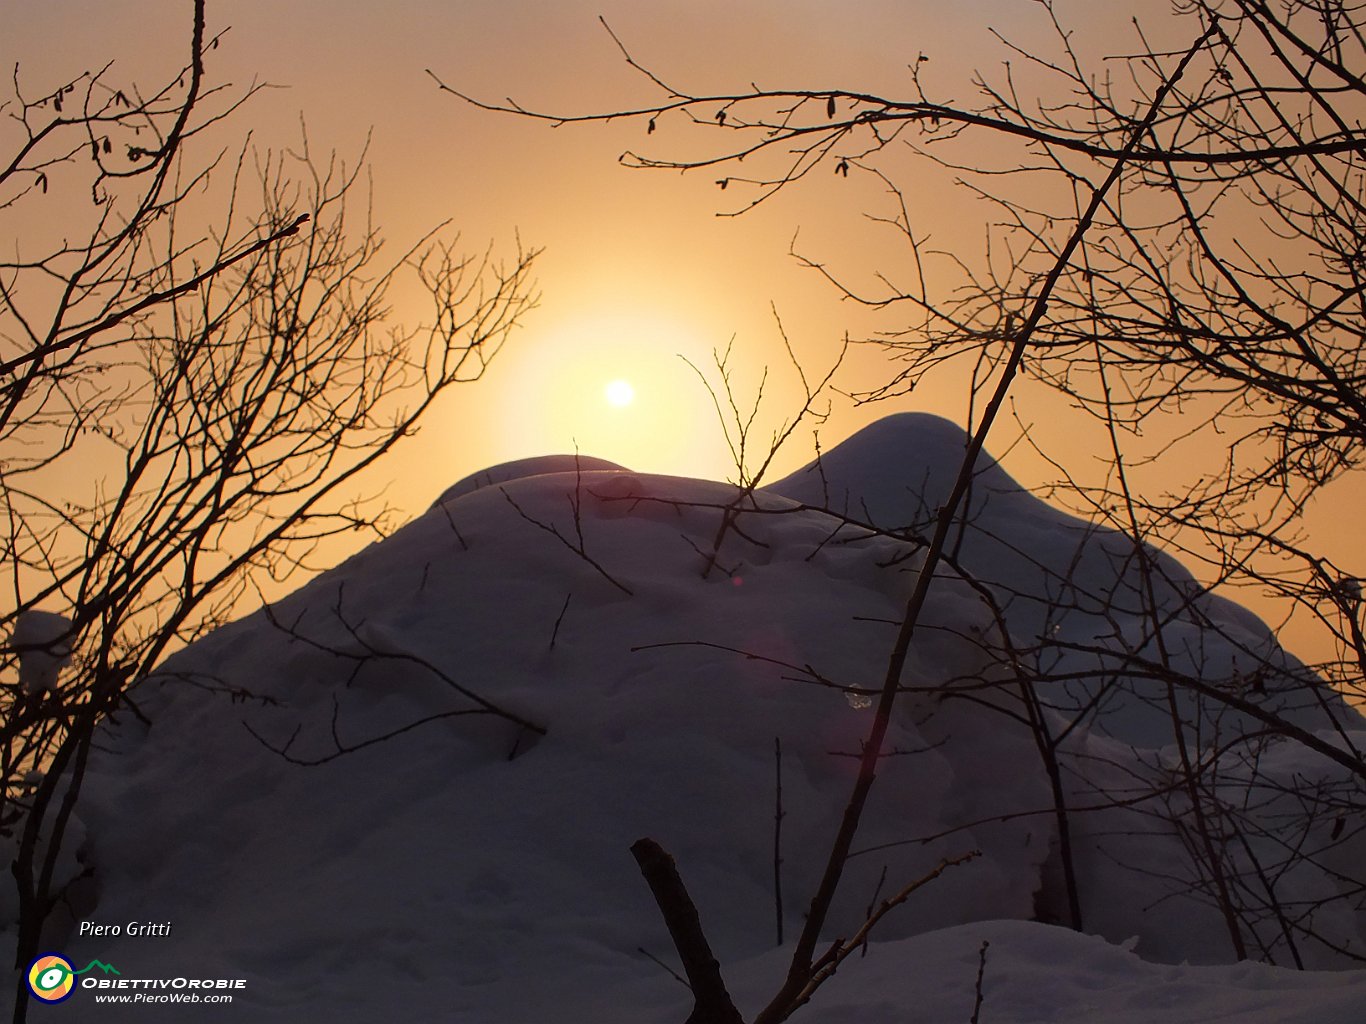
(409, 790)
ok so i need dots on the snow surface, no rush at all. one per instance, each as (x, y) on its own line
(1074, 586)
(43, 641)
(470, 869)
(537, 465)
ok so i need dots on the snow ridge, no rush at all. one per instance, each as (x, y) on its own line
(481, 869)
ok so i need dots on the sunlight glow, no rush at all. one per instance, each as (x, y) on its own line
(620, 393)
(557, 393)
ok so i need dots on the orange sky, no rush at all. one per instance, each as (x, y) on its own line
(638, 270)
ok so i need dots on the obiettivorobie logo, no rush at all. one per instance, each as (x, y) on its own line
(52, 979)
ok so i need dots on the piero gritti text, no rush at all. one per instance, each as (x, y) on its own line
(132, 929)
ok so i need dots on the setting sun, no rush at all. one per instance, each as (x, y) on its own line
(620, 393)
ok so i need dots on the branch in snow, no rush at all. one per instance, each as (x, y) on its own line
(712, 1002)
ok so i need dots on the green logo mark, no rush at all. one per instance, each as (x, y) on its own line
(106, 968)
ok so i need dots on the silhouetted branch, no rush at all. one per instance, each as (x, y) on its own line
(712, 1003)
(778, 815)
(977, 988)
(577, 545)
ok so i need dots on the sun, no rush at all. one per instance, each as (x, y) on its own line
(619, 393)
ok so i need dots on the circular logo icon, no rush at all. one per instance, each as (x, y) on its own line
(51, 978)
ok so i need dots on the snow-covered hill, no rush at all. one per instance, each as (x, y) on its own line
(473, 868)
(1073, 593)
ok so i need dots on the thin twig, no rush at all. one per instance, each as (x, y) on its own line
(981, 971)
(872, 904)
(778, 815)
(578, 547)
(671, 972)
(554, 633)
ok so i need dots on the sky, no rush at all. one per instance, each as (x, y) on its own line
(638, 269)
(638, 273)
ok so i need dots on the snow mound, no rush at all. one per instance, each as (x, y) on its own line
(43, 642)
(408, 791)
(1074, 595)
(1035, 973)
(518, 468)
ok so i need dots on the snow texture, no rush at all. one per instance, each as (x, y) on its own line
(43, 641)
(537, 465)
(472, 870)
(1073, 588)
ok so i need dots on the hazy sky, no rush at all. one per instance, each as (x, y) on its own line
(638, 269)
